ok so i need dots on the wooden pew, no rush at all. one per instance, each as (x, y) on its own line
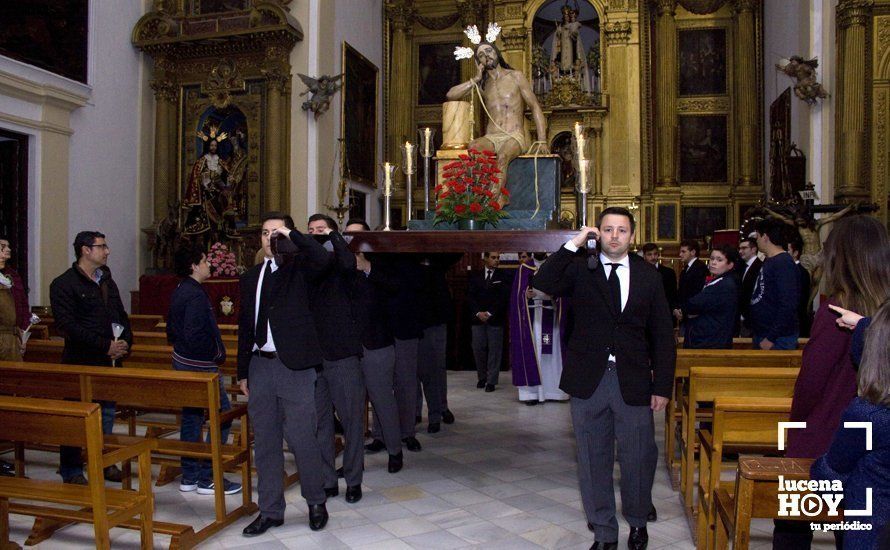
(756, 496)
(77, 424)
(154, 338)
(223, 328)
(144, 389)
(144, 322)
(708, 383)
(686, 358)
(740, 425)
(745, 343)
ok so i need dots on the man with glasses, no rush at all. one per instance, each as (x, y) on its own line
(748, 270)
(86, 304)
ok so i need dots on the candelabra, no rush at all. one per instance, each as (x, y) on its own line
(409, 169)
(582, 169)
(388, 170)
(426, 151)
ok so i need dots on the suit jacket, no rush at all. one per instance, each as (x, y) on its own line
(669, 279)
(640, 337)
(493, 298)
(715, 313)
(692, 280)
(403, 305)
(747, 288)
(293, 326)
(372, 292)
(332, 300)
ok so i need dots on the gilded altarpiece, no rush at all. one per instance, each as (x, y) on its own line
(222, 84)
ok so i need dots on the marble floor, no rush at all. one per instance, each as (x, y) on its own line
(501, 477)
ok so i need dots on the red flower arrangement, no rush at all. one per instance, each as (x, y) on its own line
(469, 190)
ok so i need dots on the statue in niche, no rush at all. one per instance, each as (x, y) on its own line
(804, 72)
(568, 50)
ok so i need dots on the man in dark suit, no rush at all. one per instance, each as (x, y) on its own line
(278, 354)
(619, 368)
(488, 294)
(668, 276)
(748, 270)
(804, 315)
(692, 277)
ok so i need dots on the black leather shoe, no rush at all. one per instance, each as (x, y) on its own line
(448, 417)
(418, 419)
(395, 463)
(590, 528)
(653, 514)
(489, 388)
(113, 473)
(480, 384)
(318, 516)
(331, 492)
(260, 525)
(433, 428)
(531, 403)
(353, 494)
(412, 444)
(375, 446)
(604, 546)
(638, 538)
(340, 472)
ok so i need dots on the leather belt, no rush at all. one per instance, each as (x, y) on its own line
(266, 354)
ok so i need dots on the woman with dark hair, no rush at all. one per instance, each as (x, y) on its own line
(855, 278)
(711, 314)
(848, 459)
(15, 314)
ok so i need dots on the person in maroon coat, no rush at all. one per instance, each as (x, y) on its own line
(856, 278)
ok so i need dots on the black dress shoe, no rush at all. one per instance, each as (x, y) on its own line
(412, 444)
(480, 384)
(489, 388)
(531, 403)
(418, 419)
(353, 494)
(433, 428)
(653, 514)
(448, 417)
(331, 492)
(375, 446)
(604, 546)
(340, 472)
(638, 538)
(260, 525)
(318, 516)
(395, 463)
(590, 528)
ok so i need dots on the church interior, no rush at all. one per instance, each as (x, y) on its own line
(163, 122)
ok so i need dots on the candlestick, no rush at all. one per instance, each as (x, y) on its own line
(409, 169)
(426, 151)
(388, 169)
(583, 187)
(580, 142)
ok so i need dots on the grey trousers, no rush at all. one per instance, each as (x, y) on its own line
(431, 374)
(404, 387)
(377, 370)
(488, 348)
(598, 422)
(282, 405)
(340, 386)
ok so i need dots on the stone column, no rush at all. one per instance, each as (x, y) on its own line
(401, 16)
(746, 91)
(165, 167)
(278, 81)
(853, 18)
(666, 93)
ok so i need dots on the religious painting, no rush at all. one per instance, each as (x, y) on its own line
(703, 149)
(221, 163)
(437, 72)
(204, 7)
(779, 142)
(702, 54)
(49, 34)
(666, 222)
(359, 115)
(701, 221)
(562, 146)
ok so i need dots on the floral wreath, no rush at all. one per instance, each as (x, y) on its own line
(472, 32)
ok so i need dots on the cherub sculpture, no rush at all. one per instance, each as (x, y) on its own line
(804, 72)
(322, 89)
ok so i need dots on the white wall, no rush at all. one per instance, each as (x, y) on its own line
(107, 142)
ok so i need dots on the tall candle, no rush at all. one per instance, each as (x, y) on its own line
(427, 142)
(583, 168)
(409, 158)
(387, 178)
(581, 141)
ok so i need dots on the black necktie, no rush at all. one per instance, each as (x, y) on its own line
(615, 286)
(262, 320)
(487, 277)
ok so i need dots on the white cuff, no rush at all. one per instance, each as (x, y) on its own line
(570, 246)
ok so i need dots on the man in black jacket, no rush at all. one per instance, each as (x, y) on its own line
(748, 270)
(692, 277)
(87, 305)
(278, 353)
(804, 315)
(488, 295)
(619, 368)
(340, 383)
(668, 276)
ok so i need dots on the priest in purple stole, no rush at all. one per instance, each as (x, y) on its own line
(537, 328)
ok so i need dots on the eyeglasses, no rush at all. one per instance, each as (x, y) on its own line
(102, 246)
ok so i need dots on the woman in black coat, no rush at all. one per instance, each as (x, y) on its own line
(712, 312)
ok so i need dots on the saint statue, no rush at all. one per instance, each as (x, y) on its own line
(568, 52)
(207, 193)
(505, 94)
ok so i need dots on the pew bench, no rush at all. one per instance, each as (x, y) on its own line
(48, 421)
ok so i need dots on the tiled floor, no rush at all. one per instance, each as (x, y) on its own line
(503, 476)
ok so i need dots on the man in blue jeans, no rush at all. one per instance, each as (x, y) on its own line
(773, 314)
(197, 347)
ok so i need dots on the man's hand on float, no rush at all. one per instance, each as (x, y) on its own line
(658, 403)
(581, 238)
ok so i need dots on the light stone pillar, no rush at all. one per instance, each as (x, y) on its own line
(165, 176)
(666, 93)
(746, 92)
(401, 16)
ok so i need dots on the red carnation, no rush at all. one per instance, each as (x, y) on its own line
(459, 188)
(495, 179)
(477, 189)
(474, 151)
(505, 192)
(451, 165)
(494, 206)
(489, 153)
(488, 193)
(463, 157)
(444, 195)
(438, 188)
(475, 207)
(460, 208)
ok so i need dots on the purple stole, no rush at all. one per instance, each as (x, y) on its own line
(523, 359)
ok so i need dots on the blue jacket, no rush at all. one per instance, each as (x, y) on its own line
(774, 302)
(858, 469)
(192, 328)
(712, 315)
